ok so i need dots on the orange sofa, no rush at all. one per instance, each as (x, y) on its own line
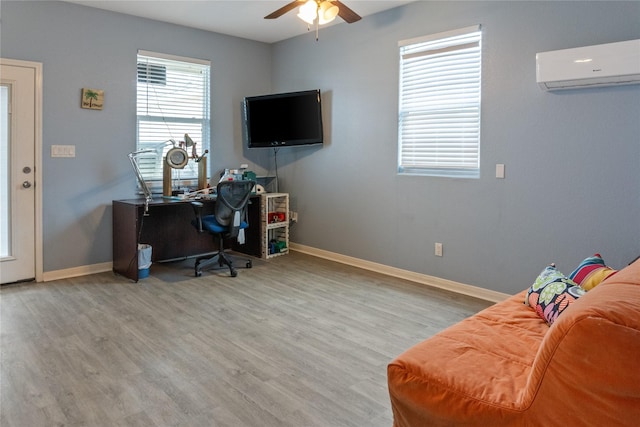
(506, 367)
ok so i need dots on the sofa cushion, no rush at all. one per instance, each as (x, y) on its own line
(551, 294)
(446, 378)
(591, 272)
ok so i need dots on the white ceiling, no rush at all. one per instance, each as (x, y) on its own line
(234, 17)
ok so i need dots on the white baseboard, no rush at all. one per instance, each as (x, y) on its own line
(77, 271)
(449, 285)
(436, 282)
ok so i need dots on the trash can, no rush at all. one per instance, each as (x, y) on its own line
(144, 260)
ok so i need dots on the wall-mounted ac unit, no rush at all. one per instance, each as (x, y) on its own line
(589, 66)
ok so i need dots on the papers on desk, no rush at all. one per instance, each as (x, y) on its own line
(193, 195)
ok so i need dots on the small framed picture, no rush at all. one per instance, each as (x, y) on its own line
(93, 99)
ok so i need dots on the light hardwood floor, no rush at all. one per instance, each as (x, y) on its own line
(295, 341)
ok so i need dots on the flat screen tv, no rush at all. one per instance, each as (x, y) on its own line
(283, 119)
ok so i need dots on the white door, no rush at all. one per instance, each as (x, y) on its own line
(19, 135)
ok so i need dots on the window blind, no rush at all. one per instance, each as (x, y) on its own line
(439, 107)
(172, 99)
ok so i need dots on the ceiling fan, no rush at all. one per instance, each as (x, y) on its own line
(324, 10)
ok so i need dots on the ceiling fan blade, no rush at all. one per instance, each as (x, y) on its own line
(284, 9)
(345, 13)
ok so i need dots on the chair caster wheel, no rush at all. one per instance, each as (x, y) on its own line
(198, 273)
(234, 273)
(248, 265)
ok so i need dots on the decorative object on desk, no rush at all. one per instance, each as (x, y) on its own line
(232, 175)
(227, 176)
(92, 99)
(250, 176)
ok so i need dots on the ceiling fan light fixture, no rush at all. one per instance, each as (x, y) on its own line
(327, 12)
(308, 12)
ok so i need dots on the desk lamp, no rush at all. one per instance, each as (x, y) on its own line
(145, 189)
(176, 156)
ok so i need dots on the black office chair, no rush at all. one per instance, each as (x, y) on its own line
(230, 216)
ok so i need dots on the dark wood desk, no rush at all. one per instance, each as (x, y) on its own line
(168, 229)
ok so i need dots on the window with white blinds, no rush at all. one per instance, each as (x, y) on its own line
(439, 108)
(172, 99)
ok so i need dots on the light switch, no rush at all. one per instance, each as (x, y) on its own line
(500, 170)
(63, 151)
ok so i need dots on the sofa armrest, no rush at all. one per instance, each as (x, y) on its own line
(587, 362)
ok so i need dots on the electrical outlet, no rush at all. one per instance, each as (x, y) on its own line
(438, 250)
(293, 216)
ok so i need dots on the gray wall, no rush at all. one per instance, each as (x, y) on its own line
(86, 47)
(572, 159)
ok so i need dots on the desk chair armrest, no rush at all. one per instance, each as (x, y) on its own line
(197, 209)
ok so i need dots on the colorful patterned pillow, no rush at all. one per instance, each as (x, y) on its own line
(591, 272)
(551, 294)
